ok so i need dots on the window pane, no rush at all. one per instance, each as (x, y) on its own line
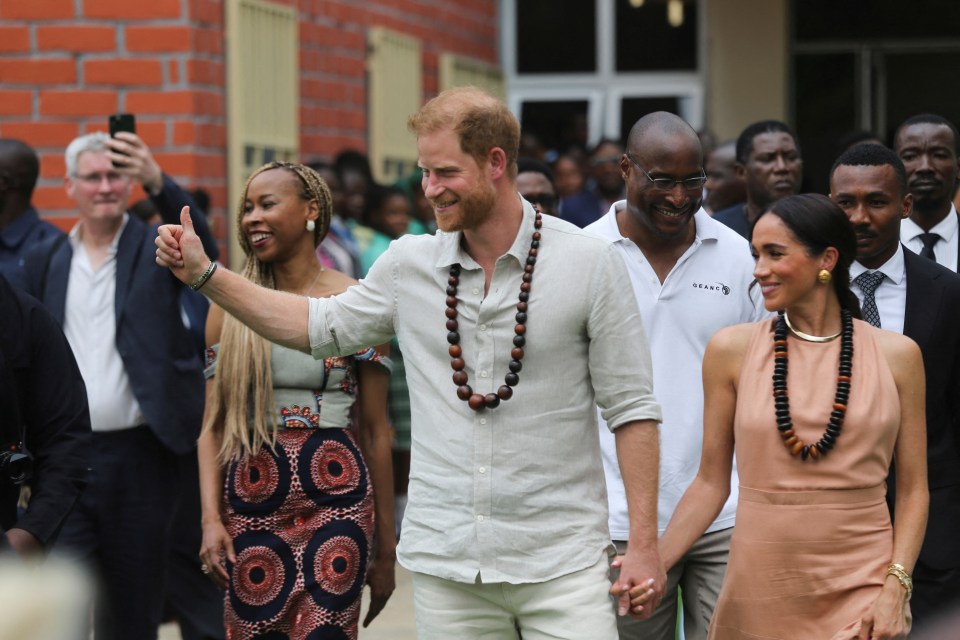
(557, 125)
(917, 83)
(632, 109)
(558, 36)
(826, 100)
(647, 42)
(847, 20)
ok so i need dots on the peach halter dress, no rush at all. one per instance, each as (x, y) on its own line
(813, 538)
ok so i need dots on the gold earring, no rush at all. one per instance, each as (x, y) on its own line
(824, 277)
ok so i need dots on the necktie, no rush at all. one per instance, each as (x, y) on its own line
(928, 240)
(868, 281)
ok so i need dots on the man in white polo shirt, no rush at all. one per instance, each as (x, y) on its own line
(691, 276)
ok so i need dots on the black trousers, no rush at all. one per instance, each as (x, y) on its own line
(121, 530)
(192, 598)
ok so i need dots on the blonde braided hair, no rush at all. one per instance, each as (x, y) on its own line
(243, 384)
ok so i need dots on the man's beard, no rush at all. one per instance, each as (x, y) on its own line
(929, 205)
(474, 209)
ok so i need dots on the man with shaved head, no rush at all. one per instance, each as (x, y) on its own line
(691, 276)
(20, 226)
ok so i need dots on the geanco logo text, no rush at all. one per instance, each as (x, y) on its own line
(719, 287)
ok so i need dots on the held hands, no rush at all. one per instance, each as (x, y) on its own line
(180, 250)
(638, 594)
(889, 616)
(215, 548)
(382, 582)
(132, 157)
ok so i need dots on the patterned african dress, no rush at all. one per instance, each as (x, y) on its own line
(301, 519)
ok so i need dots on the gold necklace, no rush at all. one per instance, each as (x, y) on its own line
(306, 291)
(807, 336)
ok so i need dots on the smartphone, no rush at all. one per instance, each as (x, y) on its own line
(122, 122)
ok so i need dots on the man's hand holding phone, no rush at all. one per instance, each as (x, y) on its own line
(131, 156)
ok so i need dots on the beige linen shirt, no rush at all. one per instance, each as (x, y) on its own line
(513, 494)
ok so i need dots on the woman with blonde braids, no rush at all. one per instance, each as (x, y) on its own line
(287, 491)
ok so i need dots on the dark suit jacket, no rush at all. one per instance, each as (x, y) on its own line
(42, 384)
(735, 217)
(581, 209)
(932, 320)
(158, 354)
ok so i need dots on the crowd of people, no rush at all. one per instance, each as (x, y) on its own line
(682, 394)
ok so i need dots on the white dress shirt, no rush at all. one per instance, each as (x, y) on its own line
(945, 251)
(513, 494)
(709, 288)
(891, 293)
(89, 322)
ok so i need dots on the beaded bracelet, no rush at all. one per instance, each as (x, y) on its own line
(202, 280)
(898, 571)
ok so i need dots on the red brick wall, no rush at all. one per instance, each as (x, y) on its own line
(66, 65)
(333, 38)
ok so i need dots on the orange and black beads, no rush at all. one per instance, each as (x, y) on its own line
(781, 398)
(478, 401)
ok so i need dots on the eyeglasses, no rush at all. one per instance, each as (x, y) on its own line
(94, 179)
(545, 200)
(667, 184)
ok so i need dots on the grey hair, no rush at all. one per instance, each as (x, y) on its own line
(96, 141)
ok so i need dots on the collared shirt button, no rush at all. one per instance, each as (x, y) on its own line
(476, 291)
(483, 327)
(483, 421)
(482, 469)
(480, 518)
(483, 374)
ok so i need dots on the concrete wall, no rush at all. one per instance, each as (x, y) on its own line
(746, 63)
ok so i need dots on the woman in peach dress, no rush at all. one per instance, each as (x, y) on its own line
(816, 404)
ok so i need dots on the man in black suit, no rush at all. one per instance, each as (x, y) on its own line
(921, 299)
(43, 416)
(928, 144)
(121, 315)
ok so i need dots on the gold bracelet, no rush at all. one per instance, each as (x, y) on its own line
(202, 280)
(900, 573)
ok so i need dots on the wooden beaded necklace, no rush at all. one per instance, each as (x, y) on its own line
(781, 399)
(478, 401)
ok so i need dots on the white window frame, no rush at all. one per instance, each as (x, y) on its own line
(606, 88)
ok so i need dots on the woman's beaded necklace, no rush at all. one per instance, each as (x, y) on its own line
(479, 401)
(781, 399)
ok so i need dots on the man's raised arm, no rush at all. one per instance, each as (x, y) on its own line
(277, 316)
